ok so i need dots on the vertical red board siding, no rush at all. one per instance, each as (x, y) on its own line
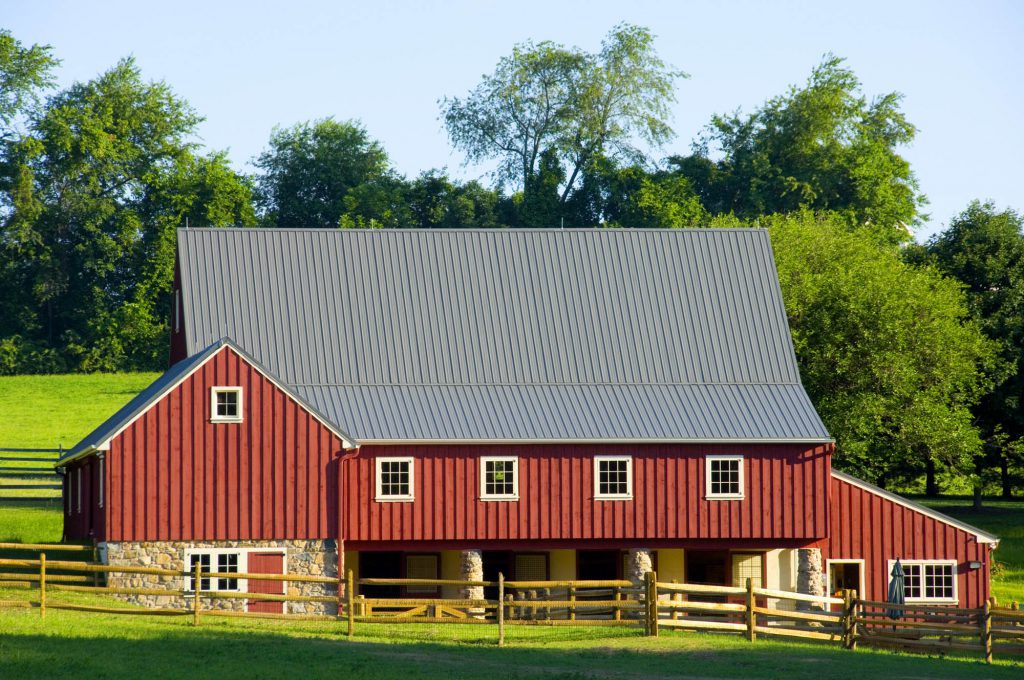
(556, 494)
(265, 563)
(174, 475)
(867, 526)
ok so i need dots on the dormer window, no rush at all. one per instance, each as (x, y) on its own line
(226, 405)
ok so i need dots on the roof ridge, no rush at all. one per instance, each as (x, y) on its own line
(497, 230)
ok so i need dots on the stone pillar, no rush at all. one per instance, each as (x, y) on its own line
(638, 563)
(810, 577)
(472, 569)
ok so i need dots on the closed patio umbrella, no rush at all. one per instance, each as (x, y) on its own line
(897, 593)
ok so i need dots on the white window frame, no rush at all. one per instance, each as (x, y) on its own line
(597, 479)
(484, 496)
(922, 563)
(707, 479)
(214, 391)
(394, 498)
(99, 471)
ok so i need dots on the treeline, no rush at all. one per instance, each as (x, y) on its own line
(912, 353)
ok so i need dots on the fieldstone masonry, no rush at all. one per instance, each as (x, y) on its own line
(810, 576)
(638, 563)
(306, 558)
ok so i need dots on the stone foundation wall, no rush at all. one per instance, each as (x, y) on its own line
(305, 558)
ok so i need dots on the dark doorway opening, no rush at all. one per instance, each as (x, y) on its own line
(495, 562)
(380, 565)
(598, 565)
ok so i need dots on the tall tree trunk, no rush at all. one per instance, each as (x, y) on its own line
(1004, 477)
(931, 488)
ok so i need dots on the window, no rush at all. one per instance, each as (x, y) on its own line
(531, 567)
(421, 566)
(744, 566)
(929, 581)
(724, 477)
(204, 565)
(226, 405)
(499, 479)
(100, 472)
(613, 477)
(395, 481)
(219, 561)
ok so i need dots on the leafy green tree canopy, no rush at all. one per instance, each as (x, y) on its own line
(822, 147)
(24, 73)
(309, 170)
(103, 176)
(887, 350)
(550, 110)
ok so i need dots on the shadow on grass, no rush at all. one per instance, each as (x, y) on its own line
(66, 646)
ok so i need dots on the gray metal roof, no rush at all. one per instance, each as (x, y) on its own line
(509, 334)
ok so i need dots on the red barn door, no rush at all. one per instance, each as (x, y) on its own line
(266, 563)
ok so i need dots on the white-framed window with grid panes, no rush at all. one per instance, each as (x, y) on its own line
(723, 477)
(613, 477)
(215, 561)
(225, 404)
(499, 478)
(396, 480)
(928, 580)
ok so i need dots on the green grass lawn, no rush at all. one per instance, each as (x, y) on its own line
(44, 411)
(72, 644)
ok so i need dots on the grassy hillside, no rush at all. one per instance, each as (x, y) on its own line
(44, 411)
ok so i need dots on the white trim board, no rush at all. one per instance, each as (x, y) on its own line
(861, 592)
(982, 536)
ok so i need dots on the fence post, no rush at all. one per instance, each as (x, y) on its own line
(676, 597)
(986, 631)
(572, 600)
(854, 605)
(42, 585)
(340, 594)
(197, 588)
(847, 618)
(501, 609)
(751, 616)
(618, 607)
(350, 594)
(651, 598)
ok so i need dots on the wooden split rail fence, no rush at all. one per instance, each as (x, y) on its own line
(30, 473)
(650, 606)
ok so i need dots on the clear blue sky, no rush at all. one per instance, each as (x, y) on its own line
(249, 66)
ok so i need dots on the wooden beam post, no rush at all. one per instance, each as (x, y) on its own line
(501, 609)
(350, 594)
(847, 619)
(986, 630)
(96, 560)
(751, 616)
(572, 607)
(197, 588)
(854, 606)
(618, 598)
(652, 578)
(42, 585)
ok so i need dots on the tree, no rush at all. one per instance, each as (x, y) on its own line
(822, 147)
(24, 73)
(887, 350)
(547, 105)
(309, 170)
(436, 202)
(96, 187)
(984, 250)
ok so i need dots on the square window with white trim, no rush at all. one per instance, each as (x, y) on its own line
(210, 561)
(928, 580)
(395, 479)
(724, 477)
(499, 479)
(226, 404)
(613, 477)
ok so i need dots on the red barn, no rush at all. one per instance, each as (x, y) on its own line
(443, 404)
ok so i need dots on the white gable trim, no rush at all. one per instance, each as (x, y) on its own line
(982, 536)
(347, 442)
